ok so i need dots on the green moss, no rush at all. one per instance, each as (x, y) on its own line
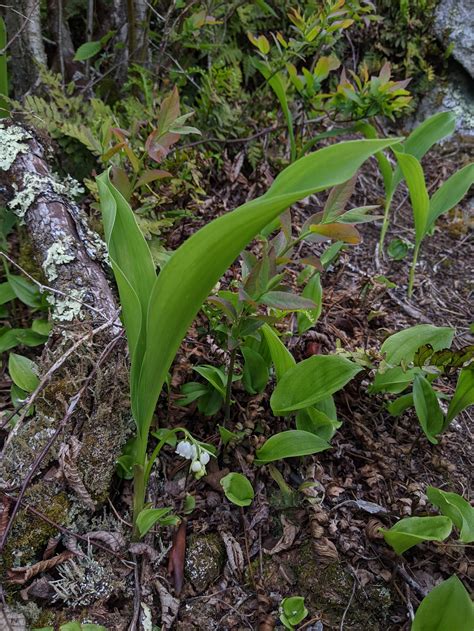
(327, 590)
(30, 534)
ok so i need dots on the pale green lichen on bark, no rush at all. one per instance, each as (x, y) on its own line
(60, 253)
(34, 184)
(12, 142)
(66, 308)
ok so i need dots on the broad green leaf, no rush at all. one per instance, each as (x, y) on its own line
(450, 193)
(255, 372)
(427, 408)
(423, 137)
(134, 272)
(399, 405)
(282, 359)
(87, 50)
(43, 327)
(237, 489)
(8, 339)
(310, 381)
(193, 270)
(289, 444)
(411, 531)
(214, 376)
(317, 422)
(420, 201)
(148, 517)
(314, 291)
(448, 607)
(463, 396)
(25, 291)
(6, 292)
(393, 380)
(286, 301)
(23, 372)
(402, 346)
(457, 509)
(385, 167)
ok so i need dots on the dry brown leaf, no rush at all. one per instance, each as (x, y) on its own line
(287, 539)
(51, 547)
(169, 606)
(20, 575)
(234, 551)
(114, 540)
(325, 550)
(68, 454)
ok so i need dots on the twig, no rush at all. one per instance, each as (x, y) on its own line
(341, 626)
(69, 412)
(134, 624)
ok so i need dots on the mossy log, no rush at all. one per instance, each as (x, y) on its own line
(71, 260)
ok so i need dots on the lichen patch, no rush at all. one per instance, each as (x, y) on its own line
(66, 308)
(60, 253)
(33, 185)
(12, 142)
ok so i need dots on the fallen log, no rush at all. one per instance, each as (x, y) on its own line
(60, 460)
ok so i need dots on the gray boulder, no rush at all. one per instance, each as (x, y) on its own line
(454, 25)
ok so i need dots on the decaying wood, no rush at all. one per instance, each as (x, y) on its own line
(70, 261)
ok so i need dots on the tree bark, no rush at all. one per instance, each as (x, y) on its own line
(23, 22)
(69, 255)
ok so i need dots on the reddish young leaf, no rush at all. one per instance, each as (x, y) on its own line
(176, 558)
(338, 232)
(157, 145)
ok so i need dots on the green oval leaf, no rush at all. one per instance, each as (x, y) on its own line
(411, 531)
(148, 517)
(290, 444)
(255, 373)
(23, 372)
(463, 395)
(310, 381)
(237, 489)
(402, 346)
(457, 509)
(448, 607)
(87, 50)
(427, 408)
(282, 359)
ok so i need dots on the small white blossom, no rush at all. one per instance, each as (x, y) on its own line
(186, 450)
(204, 458)
(196, 467)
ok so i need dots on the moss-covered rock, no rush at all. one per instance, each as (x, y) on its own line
(204, 561)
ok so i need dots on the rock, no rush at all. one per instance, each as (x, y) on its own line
(204, 560)
(455, 94)
(454, 26)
